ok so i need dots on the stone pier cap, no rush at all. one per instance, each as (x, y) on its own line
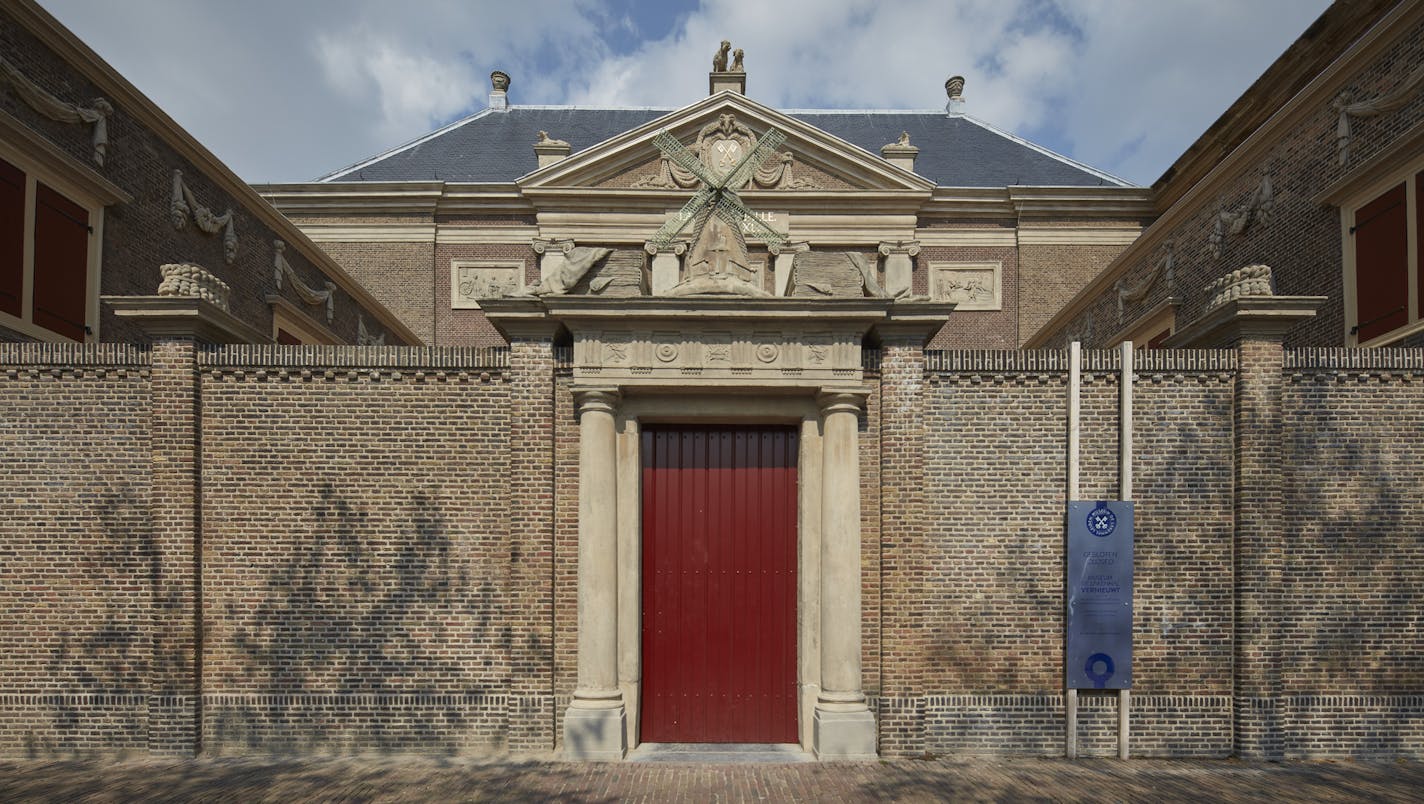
(719, 341)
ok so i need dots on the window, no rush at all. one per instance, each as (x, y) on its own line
(1382, 270)
(48, 255)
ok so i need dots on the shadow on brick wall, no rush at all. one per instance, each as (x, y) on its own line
(91, 696)
(371, 635)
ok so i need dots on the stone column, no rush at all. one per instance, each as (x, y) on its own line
(843, 726)
(899, 266)
(667, 267)
(552, 255)
(785, 255)
(594, 726)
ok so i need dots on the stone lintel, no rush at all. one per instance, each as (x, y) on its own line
(1246, 318)
(184, 317)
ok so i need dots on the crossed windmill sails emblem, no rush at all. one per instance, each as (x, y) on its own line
(718, 195)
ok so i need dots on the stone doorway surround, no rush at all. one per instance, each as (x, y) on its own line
(726, 361)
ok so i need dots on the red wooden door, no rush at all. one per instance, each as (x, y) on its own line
(719, 585)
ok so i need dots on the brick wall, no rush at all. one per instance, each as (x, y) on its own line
(1351, 599)
(388, 543)
(75, 550)
(356, 550)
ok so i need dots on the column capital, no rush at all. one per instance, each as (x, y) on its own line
(676, 247)
(908, 247)
(562, 245)
(790, 247)
(603, 399)
(841, 400)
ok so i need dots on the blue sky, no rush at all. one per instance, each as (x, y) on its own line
(285, 90)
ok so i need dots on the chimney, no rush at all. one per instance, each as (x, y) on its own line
(954, 88)
(901, 153)
(727, 77)
(550, 150)
(499, 92)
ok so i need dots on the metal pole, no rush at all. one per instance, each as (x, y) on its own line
(1125, 465)
(1075, 365)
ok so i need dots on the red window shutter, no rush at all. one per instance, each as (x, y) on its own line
(12, 237)
(287, 339)
(1382, 265)
(1419, 234)
(61, 263)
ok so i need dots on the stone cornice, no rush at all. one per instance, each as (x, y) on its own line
(1243, 318)
(182, 316)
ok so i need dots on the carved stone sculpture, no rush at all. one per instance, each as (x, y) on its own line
(577, 262)
(364, 337)
(1257, 208)
(96, 114)
(718, 146)
(193, 281)
(837, 274)
(305, 292)
(954, 87)
(719, 61)
(717, 264)
(183, 205)
(1162, 270)
(737, 66)
(499, 81)
(1346, 107)
(1253, 280)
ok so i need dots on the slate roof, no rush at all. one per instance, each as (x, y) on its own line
(492, 146)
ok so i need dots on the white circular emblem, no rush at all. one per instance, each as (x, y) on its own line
(666, 352)
(767, 352)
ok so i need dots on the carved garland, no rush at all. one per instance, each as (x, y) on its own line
(1387, 102)
(1257, 208)
(1136, 294)
(96, 114)
(184, 205)
(364, 336)
(307, 294)
(778, 176)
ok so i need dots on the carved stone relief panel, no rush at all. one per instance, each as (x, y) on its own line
(621, 274)
(970, 285)
(472, 280)
(743, 352)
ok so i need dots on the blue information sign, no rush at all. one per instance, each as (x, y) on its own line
(1099, 654)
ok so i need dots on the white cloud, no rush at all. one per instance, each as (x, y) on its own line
(287, 91)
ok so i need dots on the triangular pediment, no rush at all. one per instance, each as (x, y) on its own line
(817, 162)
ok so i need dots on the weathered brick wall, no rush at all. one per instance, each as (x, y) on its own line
(992, 606)
(75, 550)
(1353, 571)
(388, 544)
(1299, 237)
(1052, 274)
(398, 275)
(140, 236)
(355, 539)
(976, 329)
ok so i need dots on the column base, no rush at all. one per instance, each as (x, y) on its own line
(843, 735)
(595, 735)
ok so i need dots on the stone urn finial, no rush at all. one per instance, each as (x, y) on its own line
(499, 81)
(954, 87)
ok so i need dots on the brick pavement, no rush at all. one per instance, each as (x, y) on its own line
(435, 779)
